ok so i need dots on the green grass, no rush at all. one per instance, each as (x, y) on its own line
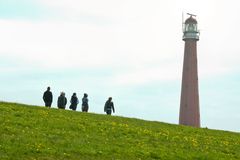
(31, 132)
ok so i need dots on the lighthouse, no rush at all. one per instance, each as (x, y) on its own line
(189, 104)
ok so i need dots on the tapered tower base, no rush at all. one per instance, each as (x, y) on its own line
(189, 106)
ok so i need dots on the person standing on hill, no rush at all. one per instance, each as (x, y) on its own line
(109, 106)
(62, 101)
(85, 103)
(47, 97)
(74, 102)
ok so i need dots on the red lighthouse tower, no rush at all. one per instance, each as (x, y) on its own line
(189, 105)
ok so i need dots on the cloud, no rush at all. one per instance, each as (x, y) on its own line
(55, 43)
(136, 37)
(22, 9)
(148, 75)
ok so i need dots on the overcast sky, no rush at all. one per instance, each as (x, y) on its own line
(131, 50)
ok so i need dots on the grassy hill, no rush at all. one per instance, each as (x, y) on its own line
(31, 132)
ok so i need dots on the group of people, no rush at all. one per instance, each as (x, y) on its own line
(62, 102)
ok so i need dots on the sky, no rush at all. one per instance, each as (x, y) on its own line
(131, 50)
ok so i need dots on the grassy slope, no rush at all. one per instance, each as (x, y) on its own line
(29, 132)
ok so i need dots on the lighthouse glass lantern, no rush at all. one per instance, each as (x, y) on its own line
(190, 30)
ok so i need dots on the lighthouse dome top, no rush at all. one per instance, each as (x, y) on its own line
(191, 20)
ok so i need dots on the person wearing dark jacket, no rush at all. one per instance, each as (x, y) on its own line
(62, 101)
(109, 106)
(85, 103)
(47, 97)
(74, 102)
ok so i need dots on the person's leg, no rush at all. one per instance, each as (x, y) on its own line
(47, 104)
(109, 112)
(84, 108)
(73, 107)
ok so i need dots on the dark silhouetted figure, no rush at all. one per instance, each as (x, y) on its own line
(74, 102)
(47, 97)
(85, 103)
(109, 106)
(62, 101)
